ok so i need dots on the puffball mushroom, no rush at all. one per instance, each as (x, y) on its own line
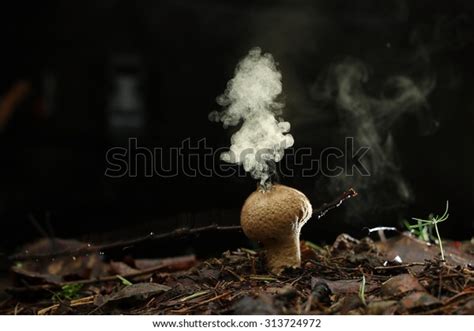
(274, 217)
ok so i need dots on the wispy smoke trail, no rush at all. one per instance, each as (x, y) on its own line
(369, 120)
(251, 99)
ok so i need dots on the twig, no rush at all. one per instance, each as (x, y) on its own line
(400, 266)
(89, 249)
(327, 206)
(186, 309)
(194, 295)
(457, 296)
(74, 303)
(17, 309)
(263, 278)
(210, 300)
(185, 231)
(240, 278)
(448, 303)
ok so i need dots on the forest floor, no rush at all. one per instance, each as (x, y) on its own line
(400, 275)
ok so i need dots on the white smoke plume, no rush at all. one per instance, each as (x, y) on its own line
(369, 120)
(251, 99)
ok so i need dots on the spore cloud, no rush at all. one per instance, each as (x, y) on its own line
(250, 100)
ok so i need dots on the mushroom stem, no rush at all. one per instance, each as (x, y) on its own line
(283, 253)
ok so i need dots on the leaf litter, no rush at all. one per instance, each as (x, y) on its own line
(349, 277)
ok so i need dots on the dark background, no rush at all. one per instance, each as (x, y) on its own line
(180, 54)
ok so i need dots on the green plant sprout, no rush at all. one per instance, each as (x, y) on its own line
(68, 292)
(124, 281)
(362, 291)
(424, 228)
(420, 231)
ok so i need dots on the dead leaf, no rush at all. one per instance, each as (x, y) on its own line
(346, 304)
(418, 300)
(286, 292)
(320, 291)
(344, 286)
(208, 274)
(467, 308)
(140, 291)
(122, 269)
(262, 305)
(344, 242)
(382, 307)
(61, 268)
(410, 250)
(400, 284)
(45, 246)
(168, 264)
(38, 276)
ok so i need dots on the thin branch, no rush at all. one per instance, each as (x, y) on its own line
(87, 248)
(400, 266)
(180, 232)
(321, 211)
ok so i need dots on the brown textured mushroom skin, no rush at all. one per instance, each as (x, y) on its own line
(274, 217)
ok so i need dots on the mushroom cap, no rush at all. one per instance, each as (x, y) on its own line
(274, 214)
